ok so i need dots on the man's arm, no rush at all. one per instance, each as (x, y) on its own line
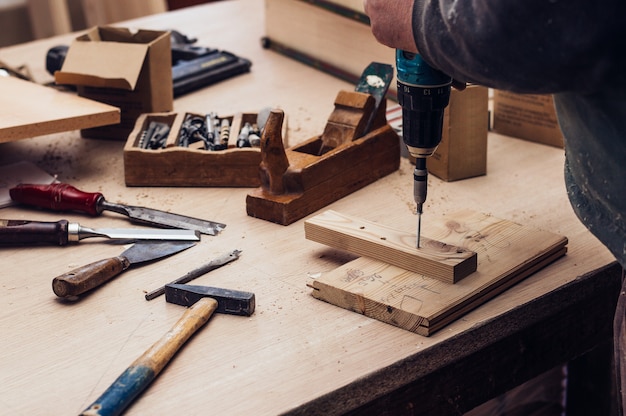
(537, 46)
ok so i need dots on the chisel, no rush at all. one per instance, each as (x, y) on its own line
(64, 197)
(88, 277)
(63, 232)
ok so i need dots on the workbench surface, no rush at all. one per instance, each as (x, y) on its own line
(296, 354)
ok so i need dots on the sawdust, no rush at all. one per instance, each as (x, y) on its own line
(56, 160)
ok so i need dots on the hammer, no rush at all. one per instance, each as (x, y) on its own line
(203, 302)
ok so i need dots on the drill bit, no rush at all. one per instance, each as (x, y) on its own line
(419, 225)
(420, 182)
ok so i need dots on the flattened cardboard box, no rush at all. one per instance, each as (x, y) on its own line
(129, 70)
(526, 116)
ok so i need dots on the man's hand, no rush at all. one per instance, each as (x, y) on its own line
(391, 22)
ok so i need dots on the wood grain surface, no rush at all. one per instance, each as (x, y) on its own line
(295, 355)
(29, 110)
(435, 259)
(507, 253)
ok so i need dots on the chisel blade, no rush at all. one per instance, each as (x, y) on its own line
(141, 234)
(142, 252)
(167, 219)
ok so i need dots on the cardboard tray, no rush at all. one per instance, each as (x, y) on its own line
(128, 69)
(175, 165)
(527, 116)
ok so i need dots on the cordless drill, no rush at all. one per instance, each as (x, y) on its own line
(423, 94)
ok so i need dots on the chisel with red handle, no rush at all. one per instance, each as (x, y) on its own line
(64, 197)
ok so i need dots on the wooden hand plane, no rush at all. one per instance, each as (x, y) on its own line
(356, 148)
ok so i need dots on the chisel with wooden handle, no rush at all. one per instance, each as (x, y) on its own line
(64, 197)
(63, 232)
(88, 277)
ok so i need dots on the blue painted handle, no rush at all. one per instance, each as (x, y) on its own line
(122, 392)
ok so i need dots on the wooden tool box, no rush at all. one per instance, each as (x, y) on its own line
(176, 165)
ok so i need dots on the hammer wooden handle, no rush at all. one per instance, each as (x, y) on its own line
(145, 368)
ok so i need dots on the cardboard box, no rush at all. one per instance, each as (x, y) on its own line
(462, 153)
(526, 116)
(129, 70)
(192, 165)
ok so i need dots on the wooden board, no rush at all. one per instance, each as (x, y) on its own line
(340, 44)
(434, 259)
(507, 253)
(29, 110)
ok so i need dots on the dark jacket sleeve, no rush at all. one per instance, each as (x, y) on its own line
(533, 46)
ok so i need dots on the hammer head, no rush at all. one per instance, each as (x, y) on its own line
(234, 302)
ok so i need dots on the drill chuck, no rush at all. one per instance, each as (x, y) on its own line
(420, 182)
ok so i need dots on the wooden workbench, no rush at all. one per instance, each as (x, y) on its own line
(296, 354)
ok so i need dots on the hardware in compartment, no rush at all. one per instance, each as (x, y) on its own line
(202, 132)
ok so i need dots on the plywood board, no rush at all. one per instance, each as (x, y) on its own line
(507, 253)
(28, 110)
(434, 259)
